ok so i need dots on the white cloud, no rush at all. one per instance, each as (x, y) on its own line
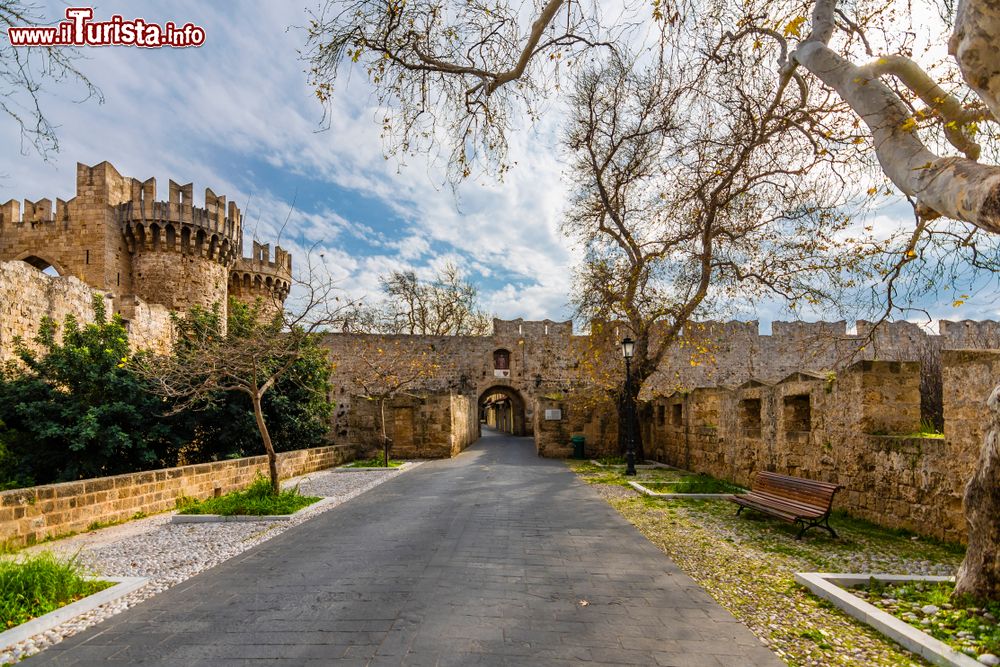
(196, 114)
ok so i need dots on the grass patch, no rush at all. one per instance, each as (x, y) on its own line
(747, 564)
(661, 480)
(377, 462)
(97, 525)
(33, 586)
(693, 484)
(960, 623)
(256, 500)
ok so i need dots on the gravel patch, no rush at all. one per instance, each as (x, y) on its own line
(747, 564)
(170, 553)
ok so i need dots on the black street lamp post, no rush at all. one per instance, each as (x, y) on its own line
(628, 349)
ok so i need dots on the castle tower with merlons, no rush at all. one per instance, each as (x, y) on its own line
(115, 236)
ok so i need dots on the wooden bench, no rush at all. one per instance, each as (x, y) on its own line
(793, 499)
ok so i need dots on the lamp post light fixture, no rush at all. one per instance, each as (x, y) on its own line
(628, 349)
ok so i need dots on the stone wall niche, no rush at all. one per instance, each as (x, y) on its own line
(750, 417)
(797, 414)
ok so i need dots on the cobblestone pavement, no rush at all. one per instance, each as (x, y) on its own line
(494, 557)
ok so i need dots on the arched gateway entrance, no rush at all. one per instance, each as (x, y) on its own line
(502, 408)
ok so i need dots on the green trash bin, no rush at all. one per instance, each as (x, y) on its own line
(578, 442)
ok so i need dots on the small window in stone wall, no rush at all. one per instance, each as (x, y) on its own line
(676, 414)
(661, 414)
(798, 416)
(501, 363)
(750, 417)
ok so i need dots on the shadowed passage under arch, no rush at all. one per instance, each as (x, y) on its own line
(502, 408)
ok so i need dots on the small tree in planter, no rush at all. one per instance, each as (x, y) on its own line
(384, 369)
(249, 358)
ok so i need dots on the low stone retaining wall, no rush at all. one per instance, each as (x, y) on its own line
(33, 514)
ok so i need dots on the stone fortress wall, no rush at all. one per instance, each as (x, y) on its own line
(27, 295)
(732, 391)
(145, 257)
(546, 361)
(859, 427)
(31, 515)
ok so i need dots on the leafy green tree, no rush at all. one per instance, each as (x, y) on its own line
(73, 410)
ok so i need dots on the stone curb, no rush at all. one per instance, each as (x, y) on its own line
(217, 518)
(20, 633)
(831, 586)
(650, 465)
(670, 496)
(403, 468)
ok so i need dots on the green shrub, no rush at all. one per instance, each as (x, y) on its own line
(959, 622)
(296, 409)
(36, 585)
(74, 410)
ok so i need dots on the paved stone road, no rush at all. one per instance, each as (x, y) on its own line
(483, 559)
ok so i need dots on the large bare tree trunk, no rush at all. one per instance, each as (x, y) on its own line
(975, 44)
(957, 188)
(272, 457)
(979, 575)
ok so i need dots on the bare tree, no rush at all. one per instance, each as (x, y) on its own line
(24, 70)
(445, 305)
(467, 67)
(691, 190)
(208, 360)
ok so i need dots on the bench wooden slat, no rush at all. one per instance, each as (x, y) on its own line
(791, 507)
(792, 499)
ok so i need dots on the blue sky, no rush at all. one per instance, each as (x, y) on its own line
(238, 116)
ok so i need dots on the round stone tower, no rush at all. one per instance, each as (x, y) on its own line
(257, 279)
(181, 254)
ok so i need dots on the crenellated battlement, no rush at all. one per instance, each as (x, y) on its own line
(176, 225)
(258, 276)
(533, 328)
(261, 259)
(33, 212)
(115, 235)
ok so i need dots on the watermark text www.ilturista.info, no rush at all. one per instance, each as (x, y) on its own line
(80, 30)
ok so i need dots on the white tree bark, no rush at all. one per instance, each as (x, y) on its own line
(979, 575)
(957, 188)
(975, 44)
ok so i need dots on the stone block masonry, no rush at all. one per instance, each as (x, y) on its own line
(428, 425)
(30, 515)
(544, 358)
(859, 428)
(116, 238)
(27, 295)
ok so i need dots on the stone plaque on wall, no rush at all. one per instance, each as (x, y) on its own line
(553, 414)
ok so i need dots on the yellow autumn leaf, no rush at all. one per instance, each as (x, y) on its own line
(908, 125)
(957, 303)
(794, 27)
